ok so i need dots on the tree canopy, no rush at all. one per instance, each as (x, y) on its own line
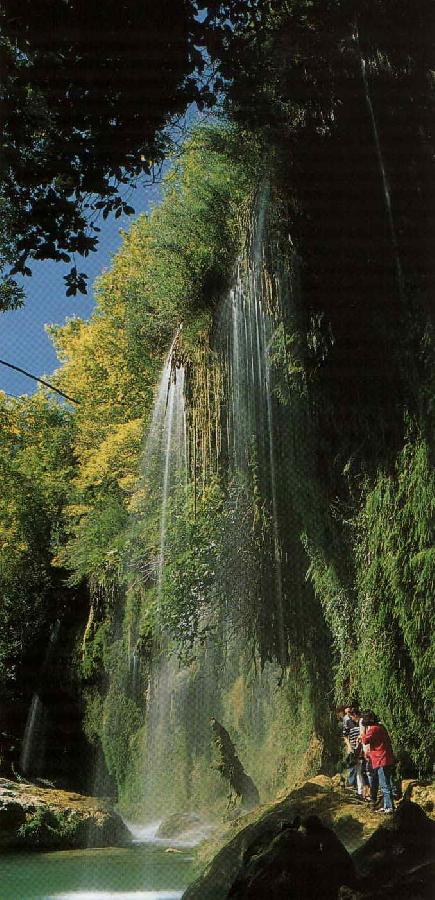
(86, 96)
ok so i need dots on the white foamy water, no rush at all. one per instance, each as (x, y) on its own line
(147, 834)
(117, 895)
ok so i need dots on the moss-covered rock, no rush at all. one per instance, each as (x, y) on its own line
(398, 859)
(12, 817)
(283, 861)
(268, 847)
(33, 817)
(179, 824)
(300, 863)
(254, 835)
(243, 792)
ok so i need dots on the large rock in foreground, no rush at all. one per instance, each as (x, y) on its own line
(398, 861)
(33, 817)
(300, 863)
(278, 858)
(291, 862)
(275, 840)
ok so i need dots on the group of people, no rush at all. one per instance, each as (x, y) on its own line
(370, 757)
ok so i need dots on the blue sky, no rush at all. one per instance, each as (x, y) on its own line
(23, 340)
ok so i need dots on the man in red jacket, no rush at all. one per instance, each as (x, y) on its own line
(381, 755)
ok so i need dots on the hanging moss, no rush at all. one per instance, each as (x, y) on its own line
(395, 578)
(380, 616)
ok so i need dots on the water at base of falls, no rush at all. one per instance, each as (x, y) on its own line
(148, 834)
(142, 872)
(105, 895)
(135, 895)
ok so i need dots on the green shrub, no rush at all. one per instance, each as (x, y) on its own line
(49, 830)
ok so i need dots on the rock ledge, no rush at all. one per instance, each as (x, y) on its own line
(43, 818)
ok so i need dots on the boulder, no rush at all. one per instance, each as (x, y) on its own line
(12, 817)
(398, 860)
(35, 817)
(303, 864)
(278, 859)
(178, 824)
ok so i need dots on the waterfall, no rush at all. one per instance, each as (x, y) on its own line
(383, 171)
(163, 467)
(163, 476)
(225, 681)
(179, 763)
(134, 674)
(244, 335)
(174, 443)
(162, 774)
(34, 739)
(227, 678)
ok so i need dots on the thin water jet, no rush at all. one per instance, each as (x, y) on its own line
(383, 172)
(34, 738)
(174, 456)
(164, 459)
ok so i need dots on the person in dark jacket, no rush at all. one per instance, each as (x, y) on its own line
(352, 737)
(381, 756)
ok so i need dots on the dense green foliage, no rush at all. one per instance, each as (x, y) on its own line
(49, 830)
(286, 591)
(111, 363)
(380, 614)
(395, 587)
(170, 268)
(79, 125)
(36, 465)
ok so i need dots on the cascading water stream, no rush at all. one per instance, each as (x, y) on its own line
(384, 177)
(174, 455)
(33, 747)
(164, 476)
(134, 673)
(182, 699)
(33, 737)
(264, 326)
(244, 334)
(276, 536)
(164, 458)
